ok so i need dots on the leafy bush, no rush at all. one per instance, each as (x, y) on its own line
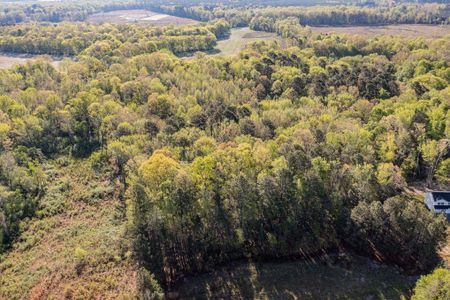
(148, 285)
(97, 193)
(80, 257)
(54, 200)
(99, 160)
(435, 286)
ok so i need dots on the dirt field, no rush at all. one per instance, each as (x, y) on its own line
(240, 38)
(139, 16)
(9, 60)
(396, 30)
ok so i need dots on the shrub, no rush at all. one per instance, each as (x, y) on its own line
(435, 286)
(99, 160)
(80, 256)
(96, 193)
(148, 285)
(54, 200)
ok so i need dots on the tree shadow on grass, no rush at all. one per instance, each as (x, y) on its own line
(299, 280)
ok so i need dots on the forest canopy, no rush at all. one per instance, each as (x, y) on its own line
(288, 149)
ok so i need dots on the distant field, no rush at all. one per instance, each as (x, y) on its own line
(139, 16)
(405, 30)
(240, 38)
(9, 60)
(299, 280)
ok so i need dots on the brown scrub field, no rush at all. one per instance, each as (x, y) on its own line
(406, 30)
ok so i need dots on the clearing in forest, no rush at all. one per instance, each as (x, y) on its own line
(242, 37)
(9, 60)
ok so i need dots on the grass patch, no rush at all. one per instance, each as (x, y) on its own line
(363, 279)
(240, 38)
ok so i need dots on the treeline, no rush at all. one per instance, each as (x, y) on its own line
(318, 15)
(13, 13)
(238, 13)
(55, 12)
(71, 39)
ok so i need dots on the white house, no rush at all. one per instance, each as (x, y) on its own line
(438, 201)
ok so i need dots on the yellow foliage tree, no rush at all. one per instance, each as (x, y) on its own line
(160, 168)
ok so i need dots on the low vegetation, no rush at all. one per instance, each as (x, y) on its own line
(335, 278)
(75, 247)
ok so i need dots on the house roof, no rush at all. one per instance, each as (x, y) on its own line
(441, 195)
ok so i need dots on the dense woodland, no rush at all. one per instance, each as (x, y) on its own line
(289, 150)
(265, 17)
(113, 41)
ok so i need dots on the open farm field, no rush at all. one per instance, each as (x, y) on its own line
(140, 16)
(406, 30)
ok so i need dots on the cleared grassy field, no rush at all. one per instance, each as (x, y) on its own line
(361, 279)
(406, 30)
(139, 16)
(240, 38)
(9, 60)
(76, 247)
